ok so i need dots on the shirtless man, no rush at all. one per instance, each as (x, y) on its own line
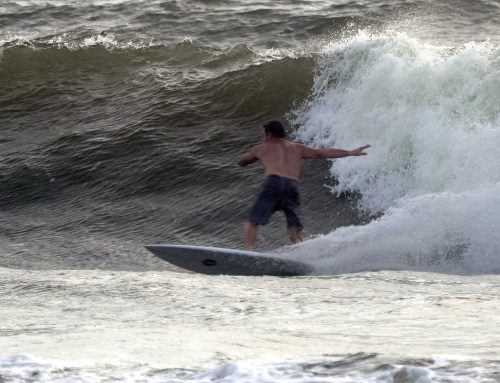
(282, 162)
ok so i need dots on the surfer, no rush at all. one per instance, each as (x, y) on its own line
(282, 160)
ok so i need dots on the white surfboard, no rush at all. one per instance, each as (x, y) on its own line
(214, 260)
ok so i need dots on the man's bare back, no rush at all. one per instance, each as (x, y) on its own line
(278, 157)
(282, 162)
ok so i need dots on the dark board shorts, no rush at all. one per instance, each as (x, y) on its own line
(278, 193)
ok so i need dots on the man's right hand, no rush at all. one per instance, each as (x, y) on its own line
(359, 151)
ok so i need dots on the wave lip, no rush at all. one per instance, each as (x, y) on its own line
(105, 54)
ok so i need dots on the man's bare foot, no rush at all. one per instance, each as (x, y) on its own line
(250, 235)
(295, 234)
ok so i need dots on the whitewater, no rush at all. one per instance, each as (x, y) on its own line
(431, 115)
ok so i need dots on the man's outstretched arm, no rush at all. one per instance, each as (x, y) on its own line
(248, 158)
(332, 153)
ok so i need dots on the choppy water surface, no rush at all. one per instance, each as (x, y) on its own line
(167, 326)
(121, 122)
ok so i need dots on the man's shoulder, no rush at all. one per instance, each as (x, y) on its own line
(271, 146)
(288, 143)
(296, 145)
(259, 146)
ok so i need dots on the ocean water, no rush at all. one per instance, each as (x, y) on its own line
(121, 125)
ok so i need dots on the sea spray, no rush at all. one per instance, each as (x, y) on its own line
(432, 127)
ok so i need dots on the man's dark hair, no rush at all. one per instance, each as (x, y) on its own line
(275, 129)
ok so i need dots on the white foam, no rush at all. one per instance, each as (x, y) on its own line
(22, 368)
(432, 117)
(434, 232)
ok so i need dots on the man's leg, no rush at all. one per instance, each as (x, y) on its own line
(290, 206)
(250, 235)
(295, 234)
(260, 212)
(294, 226)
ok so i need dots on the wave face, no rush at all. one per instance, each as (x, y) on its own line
(121, 141)
(432, 117)
(114, 141)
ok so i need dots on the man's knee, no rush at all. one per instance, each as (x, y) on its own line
(250, 225)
